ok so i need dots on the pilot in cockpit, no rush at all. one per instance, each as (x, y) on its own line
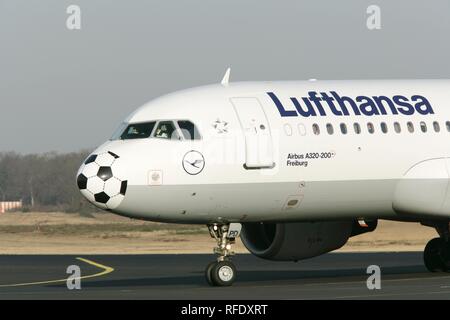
(162, 131)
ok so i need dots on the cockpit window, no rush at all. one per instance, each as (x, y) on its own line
(116, 135)
(166, 130)
(189, 130)
(138, 130)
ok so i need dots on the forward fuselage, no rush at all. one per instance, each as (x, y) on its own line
(288, 151)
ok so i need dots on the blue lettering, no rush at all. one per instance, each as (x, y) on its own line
(310, 110)
(379, 101)
(311, 105)
(283, 112)
(342, 100)
(368, 108)
(313, 97)
(403, 106)
(423, 106)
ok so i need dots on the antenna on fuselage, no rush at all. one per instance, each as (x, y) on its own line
(226, 77)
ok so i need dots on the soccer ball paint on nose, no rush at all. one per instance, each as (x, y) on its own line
(98, 180)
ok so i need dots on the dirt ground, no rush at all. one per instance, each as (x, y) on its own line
(104, 233)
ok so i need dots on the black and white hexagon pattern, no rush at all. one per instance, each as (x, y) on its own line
(100, 182)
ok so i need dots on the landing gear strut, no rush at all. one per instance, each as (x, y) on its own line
(436, 255)
(222, 272)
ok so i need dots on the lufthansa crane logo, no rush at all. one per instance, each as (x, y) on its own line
(193, 162)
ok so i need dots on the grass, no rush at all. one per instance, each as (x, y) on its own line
(87, 229)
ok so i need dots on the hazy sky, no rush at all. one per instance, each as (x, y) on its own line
(64, 90)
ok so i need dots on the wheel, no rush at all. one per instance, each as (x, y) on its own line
(435, 255)
(223, 273)
(208, 272)
(445, 255)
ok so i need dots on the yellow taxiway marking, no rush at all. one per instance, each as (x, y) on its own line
(105, 271)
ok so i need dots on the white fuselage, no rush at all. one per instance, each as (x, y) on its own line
(261, 156)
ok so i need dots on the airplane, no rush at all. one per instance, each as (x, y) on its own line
(293, 168)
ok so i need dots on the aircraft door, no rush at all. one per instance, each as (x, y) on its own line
(256, 129)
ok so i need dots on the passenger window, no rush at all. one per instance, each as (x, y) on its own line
(343, 128)
(189, 130)
(370, 127)
(357, 128)
(287, 129)
(301, 129)
(330, 129)
(423, 126)
(447, 124)
(410, 126)
(138, 131)
(384, 127)
(397, 127)
(316, 129)
(166, 130)
(436, 126)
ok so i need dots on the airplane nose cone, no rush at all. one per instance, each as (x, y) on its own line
(102, 181)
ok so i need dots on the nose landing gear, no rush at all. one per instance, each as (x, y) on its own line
(222, 272)
(436, 255)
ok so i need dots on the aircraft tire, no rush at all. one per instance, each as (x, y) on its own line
(223, 273)
(436, 255)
